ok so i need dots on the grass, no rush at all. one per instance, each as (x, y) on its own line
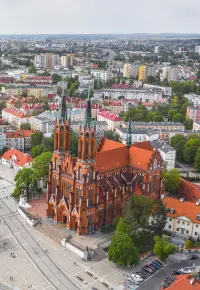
(195, 245)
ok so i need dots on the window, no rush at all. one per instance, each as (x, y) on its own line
(170, 219)
(183, 223)
(197, 226)
(177, 229)
(188, 224)
(187, 231)
(169, 227)
(195, 233)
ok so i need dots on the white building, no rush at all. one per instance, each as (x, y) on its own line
(167, 153)
(173, 73)
(167, 91)
(112, 120)
(197, 49)
(2, 141)
(194, 99)
(135, 70)
(86, 80)
(183, 217)
(128, 70)
(101, 75)
(15, 117)
(16, 159)
(156, 49)
(142, 95)
(152, 70)
(138, 135)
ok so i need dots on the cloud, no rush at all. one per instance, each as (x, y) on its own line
(98, 16)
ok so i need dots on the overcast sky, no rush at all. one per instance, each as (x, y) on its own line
(99, 16)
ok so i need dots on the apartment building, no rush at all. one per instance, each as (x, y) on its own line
(19, 140)
(143, 73)
(2, 141)
(168, 154)
(112, 120)
(28, 90)
(15, 117)
(101, 75)
(193, 113)
(138, 135)
(171, 126)
(143, 95)
(167, 91)
(173, 73)
(128, 70)
(194, 99)
(67, 60)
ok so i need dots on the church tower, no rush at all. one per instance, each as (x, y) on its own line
(62, 129)
(129, 137)
(86, 182)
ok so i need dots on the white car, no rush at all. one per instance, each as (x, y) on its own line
(137, 278)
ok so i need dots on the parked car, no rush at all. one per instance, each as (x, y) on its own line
(156, 265)
(147, 269)
(132, 281)
(158, 262)
(193, 257)
(136, 277)
(141, 274)
(177, 272)
(153, 267)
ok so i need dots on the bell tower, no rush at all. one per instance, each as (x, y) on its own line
(62, 129)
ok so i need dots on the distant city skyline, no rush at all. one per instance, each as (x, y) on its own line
(99, 17)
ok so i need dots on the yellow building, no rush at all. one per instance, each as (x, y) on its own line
(143, 73)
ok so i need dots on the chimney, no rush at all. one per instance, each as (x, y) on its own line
(182, 199)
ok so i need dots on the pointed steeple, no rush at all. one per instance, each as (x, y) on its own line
(129, 137)
(63, 113)
(88, 110)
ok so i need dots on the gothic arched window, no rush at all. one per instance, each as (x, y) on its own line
(91, 174)
(79, 173)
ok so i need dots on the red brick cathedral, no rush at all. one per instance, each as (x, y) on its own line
(88, 191)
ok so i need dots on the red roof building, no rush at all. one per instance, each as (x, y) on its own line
(16, 159)
(184, 282)
(15, 116)
(112, 119)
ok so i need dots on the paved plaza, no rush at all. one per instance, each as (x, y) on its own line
(31, 248)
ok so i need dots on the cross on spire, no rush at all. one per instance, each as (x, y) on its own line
(63, 114)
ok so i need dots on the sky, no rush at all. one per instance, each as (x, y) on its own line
(99, 16)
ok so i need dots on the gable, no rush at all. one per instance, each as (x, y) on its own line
(184, 218)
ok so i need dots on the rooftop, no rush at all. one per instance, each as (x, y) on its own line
(19, 158)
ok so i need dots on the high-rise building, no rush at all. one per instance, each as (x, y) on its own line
(135, 70)
(156, 49)
(47, 60)
(173, 73)
(197, 49)
(128, 70)
(143, 73)
(67, 60)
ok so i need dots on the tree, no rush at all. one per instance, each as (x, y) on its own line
(172, 180)
(197, 161)
(25, 126)
(162, 248)
(178, 118)
(25, 179)
(48, 143)
(111, 135)
(37, 150)
(188, 123)
(158, 217)
(36, 139)
(122, 226)
(190, 149)
(41, 164)
(188, 244)
(56, 78)
(178, 143)
(122, 250)
(74, 144)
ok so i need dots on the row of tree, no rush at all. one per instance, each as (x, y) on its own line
(187, 149)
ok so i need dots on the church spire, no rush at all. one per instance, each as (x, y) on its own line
(63, 114)
(129, 137)
(88, 110)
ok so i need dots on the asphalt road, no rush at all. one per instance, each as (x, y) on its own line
(154, 282)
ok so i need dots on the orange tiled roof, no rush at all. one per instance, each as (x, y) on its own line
(16, 113)
(112, 158)
(190, 190)
(19, 134)
(21, 158)
(110, 145)
(183, 283)
(186, 208)
(114, 154)
(140, 157)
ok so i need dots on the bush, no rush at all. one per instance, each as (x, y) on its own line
(188, 244)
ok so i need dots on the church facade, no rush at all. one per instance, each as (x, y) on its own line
(88, 191)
